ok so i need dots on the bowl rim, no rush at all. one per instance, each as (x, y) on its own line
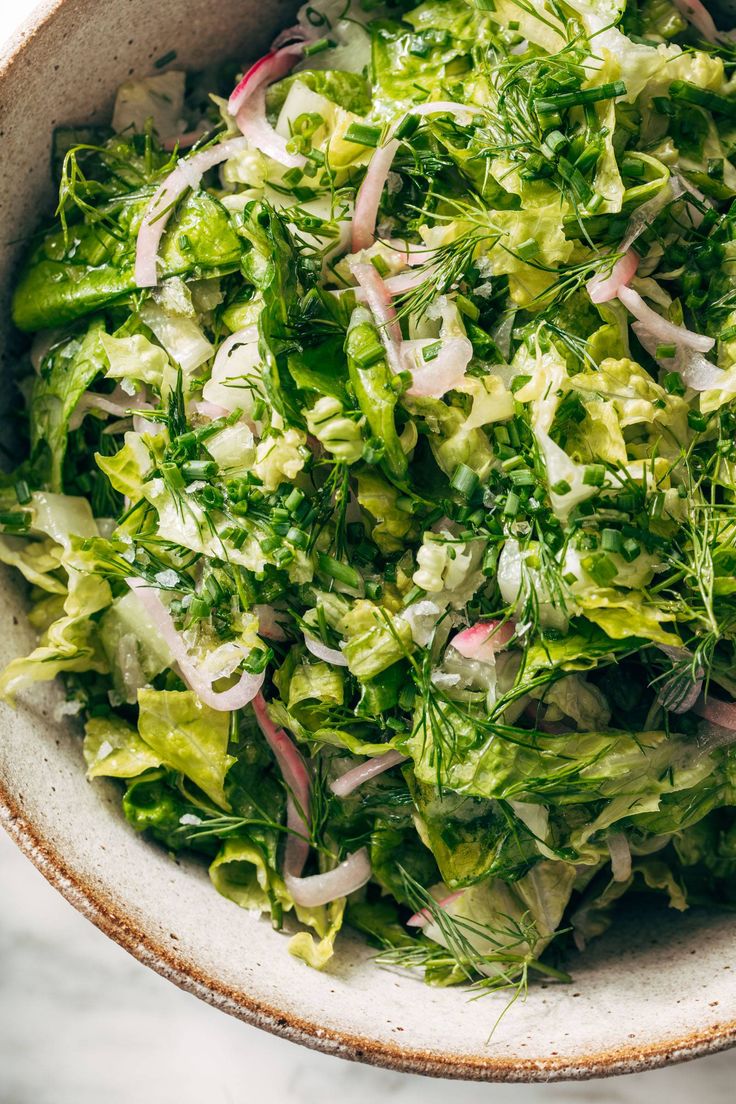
(91, 902)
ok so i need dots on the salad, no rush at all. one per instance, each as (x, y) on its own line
(379, 506)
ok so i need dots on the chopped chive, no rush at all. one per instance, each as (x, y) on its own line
(159, 63)
(268, 544)
(594, 475)
(509, 463)
(697, 421)
(528, 249)
(294, 499)
(317, 47)
(408, 126)
(513, 502)
(361, 134)
(633, 167)
(630, 549)
(611, 540)
(588, 158)
(22, 492)
(689, 93)
(673, 383)
(431, 352)
(370, 350)
(501, 434)
(556, 141)
(664, 106)
(549, 104)
(380, 266)
(15, 521)
(656, 505)
(464, 481)
(198, 469)
(513, 24)
(561, 487)
(341, 572)
(594, 203)
(485, 5)
(626, 503)
(666, 352)
(297, 537)
(600, 568)
(522, 477)
(172, 475)
(373, 589)
(283, 557)
(467, 308)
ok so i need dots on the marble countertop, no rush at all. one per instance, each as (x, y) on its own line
(82, 1022)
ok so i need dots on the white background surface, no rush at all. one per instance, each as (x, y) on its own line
(83, 1023)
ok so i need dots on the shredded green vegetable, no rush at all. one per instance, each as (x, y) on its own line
(459, 487)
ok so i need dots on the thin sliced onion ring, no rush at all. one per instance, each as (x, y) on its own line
(248, 103)
(296, 778)
(236, 697)
(210, 410)
(381, 307)
(603, 289)
(718, 712)
(321, 651)
(187, 174)
(368, 199)
(665, 332)
(371, 768)
(697, 14)
(435, 378)
(483, 640)
(424, 916)
(320, 889)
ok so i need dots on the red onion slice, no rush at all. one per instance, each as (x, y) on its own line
(424, 916)
(435, 378)
(697, 14)
(618, 845)
(118, 403)
(381, 307)
(659, 328)
(236, 697)
(320, 889)
(483, 640)
(356, 776)
(187, 174)
(296, 777)
(321, 651)
(209, 410)
(248, 104)
(368, 199)
(720, 713)
(268, 626)
(271, 67)
(602, 289)
(255, 126)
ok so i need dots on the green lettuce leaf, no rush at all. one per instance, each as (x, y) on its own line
(189, 737)
(113, 749)
(64, 376)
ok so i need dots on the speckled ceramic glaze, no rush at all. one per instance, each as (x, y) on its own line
(662, 988)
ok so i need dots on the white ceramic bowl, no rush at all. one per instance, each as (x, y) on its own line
(661, 988)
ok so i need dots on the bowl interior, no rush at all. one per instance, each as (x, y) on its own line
(660, 987)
